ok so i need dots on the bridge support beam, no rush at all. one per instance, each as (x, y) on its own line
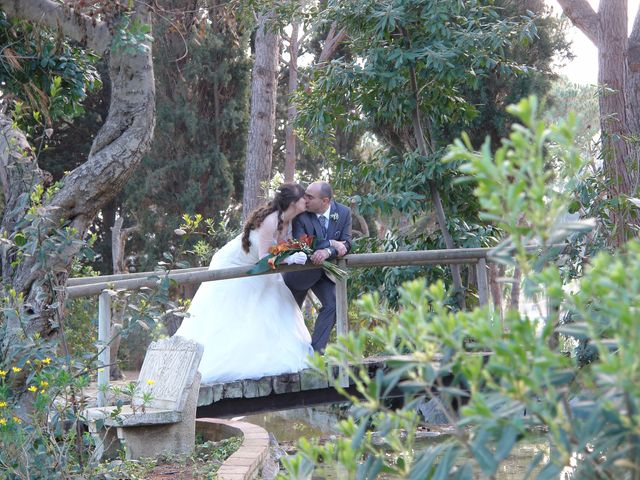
(342, 317)
(482, 280)
(104, 337)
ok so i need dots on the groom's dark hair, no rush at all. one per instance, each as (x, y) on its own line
(286, 194)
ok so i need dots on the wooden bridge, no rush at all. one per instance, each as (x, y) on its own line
(277, 392)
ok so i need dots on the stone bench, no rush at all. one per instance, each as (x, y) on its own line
(164, 421)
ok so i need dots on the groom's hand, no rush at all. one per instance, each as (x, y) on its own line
(340, 247)
(320, 256)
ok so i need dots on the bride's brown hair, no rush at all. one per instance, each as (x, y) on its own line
(286, 194)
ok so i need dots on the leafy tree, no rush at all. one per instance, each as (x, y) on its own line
(42, 227)
(45, 77)
(416, 61)
(195, 163)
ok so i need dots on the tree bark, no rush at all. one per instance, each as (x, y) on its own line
(292, 111)
(263, 116)
(116, 151)
(619, 79)
(119, 237)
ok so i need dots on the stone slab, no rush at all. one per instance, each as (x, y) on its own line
(167, 371)
(233, 390)
(205, 395)
(287, 383)
(241, 469)
(312, 380)
(258, 388)
(240, 462)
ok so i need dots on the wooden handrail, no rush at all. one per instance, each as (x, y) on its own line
(91, 286)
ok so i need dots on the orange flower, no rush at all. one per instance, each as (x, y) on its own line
(307, 240)
(279, 248)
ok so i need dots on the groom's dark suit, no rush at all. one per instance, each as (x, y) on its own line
(316, 280)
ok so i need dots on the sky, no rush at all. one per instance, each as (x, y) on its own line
(584, 68)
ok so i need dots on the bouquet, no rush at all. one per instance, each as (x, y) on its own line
(282, 250)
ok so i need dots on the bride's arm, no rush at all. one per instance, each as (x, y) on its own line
(266, 235)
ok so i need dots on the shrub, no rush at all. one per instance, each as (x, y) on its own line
(500, 383)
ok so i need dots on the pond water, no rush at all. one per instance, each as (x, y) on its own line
(320, 422)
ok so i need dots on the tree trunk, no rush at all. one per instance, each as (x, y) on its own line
(425, 150)
(612, 65)
(116, 151)
(292, 111)
(119, 238)
(263, 117)
(618, 71)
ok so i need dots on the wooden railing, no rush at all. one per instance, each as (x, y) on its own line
(91, 286)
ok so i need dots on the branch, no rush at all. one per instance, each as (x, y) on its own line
(582, 16)
(119, 237)
(331, 43)
(83, 29)
(122, 140)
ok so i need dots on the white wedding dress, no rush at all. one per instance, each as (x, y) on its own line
(250, 327)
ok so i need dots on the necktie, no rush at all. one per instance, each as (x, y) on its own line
(323, 224)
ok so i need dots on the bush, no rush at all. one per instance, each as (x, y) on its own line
(503, 382)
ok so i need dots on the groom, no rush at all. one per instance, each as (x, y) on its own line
(330, 223)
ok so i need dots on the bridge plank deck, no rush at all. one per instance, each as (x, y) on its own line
(289, 390)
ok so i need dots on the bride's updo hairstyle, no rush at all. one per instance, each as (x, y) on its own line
(286, 194)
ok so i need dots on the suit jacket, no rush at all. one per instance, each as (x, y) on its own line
(339, 227)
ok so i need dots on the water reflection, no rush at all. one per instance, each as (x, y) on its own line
(290, 425)
(321, 423)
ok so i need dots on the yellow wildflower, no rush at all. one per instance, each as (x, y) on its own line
(3, 404)
(44, 384)
(150, 382)
(46, 361)
(3, 373)
(16, 369)
(17, 419)
(43, 391)
(33, 388)
(3, 421)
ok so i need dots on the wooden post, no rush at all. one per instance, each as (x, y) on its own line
(104, 334)
(482, 280)
(342, 319)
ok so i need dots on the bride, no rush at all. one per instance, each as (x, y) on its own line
(252, 326)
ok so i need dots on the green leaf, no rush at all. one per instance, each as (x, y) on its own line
(577, 330)
(506, 442)
(445, 464)
(550, 471)
(465, 472)
(19, 239)
(261, 266)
